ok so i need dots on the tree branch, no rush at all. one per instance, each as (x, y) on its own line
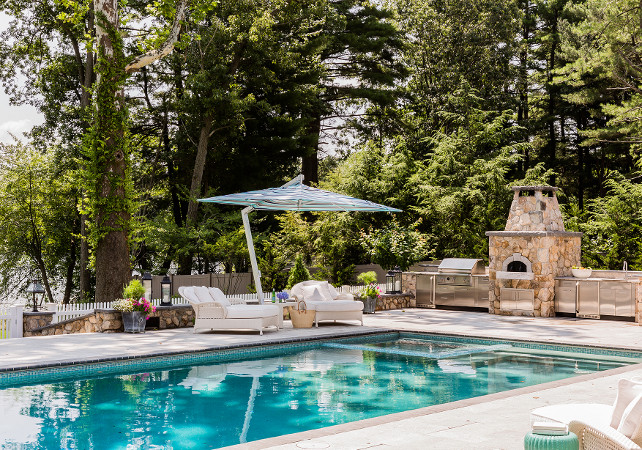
(143, 60)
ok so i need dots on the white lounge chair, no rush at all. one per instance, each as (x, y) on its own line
(598, 426)
(600, 437)
(215, 311)
(329, 304)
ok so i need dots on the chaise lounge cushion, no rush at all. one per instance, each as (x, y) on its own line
(202, 294)
(218, 296)
(627, 391)
(251, 311)
(335, 305)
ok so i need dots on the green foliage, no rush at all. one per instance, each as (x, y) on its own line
(367, 277)
(298, 273)
(395, 245)
(134, 290)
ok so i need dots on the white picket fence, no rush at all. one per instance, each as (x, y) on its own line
(10, 322)
(72, 310)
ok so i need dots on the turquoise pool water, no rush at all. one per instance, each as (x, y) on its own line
(166, 403)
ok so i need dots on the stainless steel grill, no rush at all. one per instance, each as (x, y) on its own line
(457, 282)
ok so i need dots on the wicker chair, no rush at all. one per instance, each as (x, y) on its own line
(215, 311)
(602, 437)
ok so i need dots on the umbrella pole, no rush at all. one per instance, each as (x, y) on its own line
(250, 249)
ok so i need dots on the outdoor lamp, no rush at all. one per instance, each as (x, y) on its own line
(390, 282)
(35, 288)
(147, 285)
(397, 278)
(166, 291)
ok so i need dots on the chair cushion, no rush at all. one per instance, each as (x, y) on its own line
(627, 391)
(631, 418)
(219, 296)
(251, 311)
(336, 305)
(203, 294)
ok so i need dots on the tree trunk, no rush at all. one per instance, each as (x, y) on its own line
(113, 268)
(310, 162)
(185, 261)
(69, 282)
(199, 168)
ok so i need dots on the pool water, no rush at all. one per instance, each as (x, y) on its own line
(295, 389)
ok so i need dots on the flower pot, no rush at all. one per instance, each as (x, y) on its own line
(134, 321)
(581, 273)
(369, 305)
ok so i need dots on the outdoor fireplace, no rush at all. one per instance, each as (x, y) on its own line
(526, 257)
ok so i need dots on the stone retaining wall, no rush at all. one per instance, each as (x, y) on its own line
(103, 321)
(395, 301)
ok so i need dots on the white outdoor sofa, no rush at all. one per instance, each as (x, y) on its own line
(215, 311)
(329, 304)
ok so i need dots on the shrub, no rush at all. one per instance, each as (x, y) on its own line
(367, 277)
(134, 290)
(298, 273)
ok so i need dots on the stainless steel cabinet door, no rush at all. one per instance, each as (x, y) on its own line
(588, 298)
(565, 296)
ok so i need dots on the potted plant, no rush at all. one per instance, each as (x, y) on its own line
(134, 308)
(370, 292)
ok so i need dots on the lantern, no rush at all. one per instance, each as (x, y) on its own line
(147, 285)
(166, 291)
(397, 279)
(390, 282)
(35, 288)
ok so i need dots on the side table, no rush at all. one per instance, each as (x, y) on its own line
(533, 441)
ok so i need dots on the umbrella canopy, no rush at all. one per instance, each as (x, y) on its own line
(296, 196)
(292, 196)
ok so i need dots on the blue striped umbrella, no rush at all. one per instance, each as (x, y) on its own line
(296, 196)
(292, 196)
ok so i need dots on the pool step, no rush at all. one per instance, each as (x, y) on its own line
(440, 355)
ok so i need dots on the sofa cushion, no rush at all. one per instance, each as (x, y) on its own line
(631, 418)
(251, 311)
(627, 391)
(219, 296)
(203, 294)
(336, 305)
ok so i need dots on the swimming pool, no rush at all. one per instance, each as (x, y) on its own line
(222, 398)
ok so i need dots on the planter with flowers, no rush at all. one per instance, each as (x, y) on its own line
(370, 292)
(134, 308)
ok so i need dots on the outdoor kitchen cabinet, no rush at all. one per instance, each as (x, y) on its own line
(616, 298)
(588, 298)
(565, 296)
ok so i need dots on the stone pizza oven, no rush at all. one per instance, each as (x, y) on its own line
(526, 257)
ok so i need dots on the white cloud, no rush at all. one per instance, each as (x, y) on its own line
(15, 127)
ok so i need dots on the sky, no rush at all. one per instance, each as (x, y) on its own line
(15, 119)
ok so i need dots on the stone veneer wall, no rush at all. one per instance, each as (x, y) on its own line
(103, 321)
(409, 283)
(551, 254)
(395, 301)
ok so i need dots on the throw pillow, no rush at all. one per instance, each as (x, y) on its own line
(324, 290)
(203, 294)
(627, 391)
(631, 418)
(315, 297)
(219, 296)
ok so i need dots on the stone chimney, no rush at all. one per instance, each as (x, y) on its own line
(526, 257)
